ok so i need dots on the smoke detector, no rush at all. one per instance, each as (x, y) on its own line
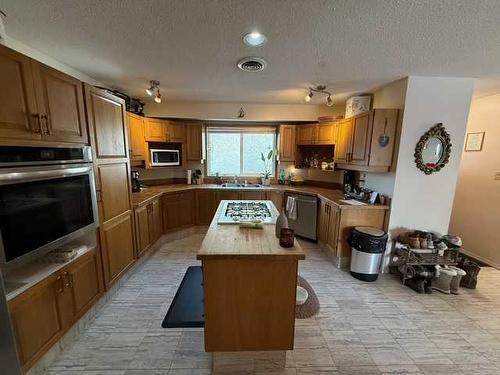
(252, 64)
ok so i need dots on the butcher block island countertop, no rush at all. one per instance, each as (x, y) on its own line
(249, 286)
(231, 241)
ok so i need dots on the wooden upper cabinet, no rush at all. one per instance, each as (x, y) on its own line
(176, 132)
(194, 141)
(306, 134)
(156, 130)
(385, 123)
(343, 144)
(60, 105)
(287, 143)
(106, 116)
(361, 138)
(137, 141)
(18, 110)
(39, 102)
(367, 141)
(113, 190)
(326, 133)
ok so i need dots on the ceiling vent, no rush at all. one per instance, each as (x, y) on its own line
(252, 64)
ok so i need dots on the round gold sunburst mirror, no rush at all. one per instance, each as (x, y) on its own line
(433, 150)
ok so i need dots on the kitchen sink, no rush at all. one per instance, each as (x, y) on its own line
(238, 185)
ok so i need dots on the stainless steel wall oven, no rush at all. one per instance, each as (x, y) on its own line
(47, 197)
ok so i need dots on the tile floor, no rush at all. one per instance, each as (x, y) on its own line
(362, 328)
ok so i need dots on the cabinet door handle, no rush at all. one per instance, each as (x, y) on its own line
(45, 119)
(67, 282)
(38, 128)
(98, 195)
(60, 288)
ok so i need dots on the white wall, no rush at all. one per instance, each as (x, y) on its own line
(476, 208)
(425, 201)
(229, 111)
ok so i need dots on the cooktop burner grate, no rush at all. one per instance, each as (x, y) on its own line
(240, 211)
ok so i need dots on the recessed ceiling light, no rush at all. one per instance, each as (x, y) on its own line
(254, 39)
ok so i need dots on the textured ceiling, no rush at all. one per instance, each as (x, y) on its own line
(192, 46)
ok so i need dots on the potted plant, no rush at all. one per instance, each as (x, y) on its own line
(266, 175)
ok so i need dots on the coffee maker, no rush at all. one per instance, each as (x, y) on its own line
(136, 184)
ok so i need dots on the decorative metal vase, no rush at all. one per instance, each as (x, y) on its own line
(281, 222)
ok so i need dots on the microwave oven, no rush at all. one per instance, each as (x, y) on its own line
(164, 158)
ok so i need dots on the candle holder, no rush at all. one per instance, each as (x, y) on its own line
(287, 237)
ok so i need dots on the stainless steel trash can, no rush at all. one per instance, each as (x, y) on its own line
(368, 246)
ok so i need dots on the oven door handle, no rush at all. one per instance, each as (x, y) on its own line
(17, 175)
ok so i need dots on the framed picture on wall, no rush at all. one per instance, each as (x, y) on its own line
(474, 141)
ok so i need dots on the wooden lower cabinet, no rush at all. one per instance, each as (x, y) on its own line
(117, 245)
(267, 297)
(27, 311)
(252, 195)
(148, 225)
(155, 220)
(227, 195)
(336, 224)
(327, 228)
(42, 314)
(276, 197)
(206, 205)
(142, 232)
(85, 279)
(178, 210)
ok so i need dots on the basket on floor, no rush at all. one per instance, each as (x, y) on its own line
(311, 306)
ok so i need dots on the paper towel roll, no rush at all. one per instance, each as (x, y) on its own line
(189, 174)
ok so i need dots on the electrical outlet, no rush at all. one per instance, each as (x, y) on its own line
(497, 176)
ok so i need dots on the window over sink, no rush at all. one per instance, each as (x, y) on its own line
(236, 151)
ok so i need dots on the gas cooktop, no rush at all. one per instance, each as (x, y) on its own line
(235, 212)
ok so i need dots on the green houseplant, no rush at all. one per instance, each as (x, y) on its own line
(267, 160)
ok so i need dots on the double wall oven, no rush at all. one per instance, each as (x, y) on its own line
(47, 198)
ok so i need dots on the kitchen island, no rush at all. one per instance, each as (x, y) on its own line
(249, 288)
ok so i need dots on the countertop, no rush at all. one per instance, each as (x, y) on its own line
(229, 241)
(335, 196)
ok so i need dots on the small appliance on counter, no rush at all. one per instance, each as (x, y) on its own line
(136, 184)
(197, 177)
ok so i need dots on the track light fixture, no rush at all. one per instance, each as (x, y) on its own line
(154, 87)
(322, 90)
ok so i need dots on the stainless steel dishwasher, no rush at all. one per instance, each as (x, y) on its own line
(307, 210)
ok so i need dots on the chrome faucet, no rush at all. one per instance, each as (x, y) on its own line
(235, 179)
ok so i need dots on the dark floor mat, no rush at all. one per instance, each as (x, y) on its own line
(186, 309)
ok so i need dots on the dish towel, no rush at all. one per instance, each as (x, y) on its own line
(291, 208)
